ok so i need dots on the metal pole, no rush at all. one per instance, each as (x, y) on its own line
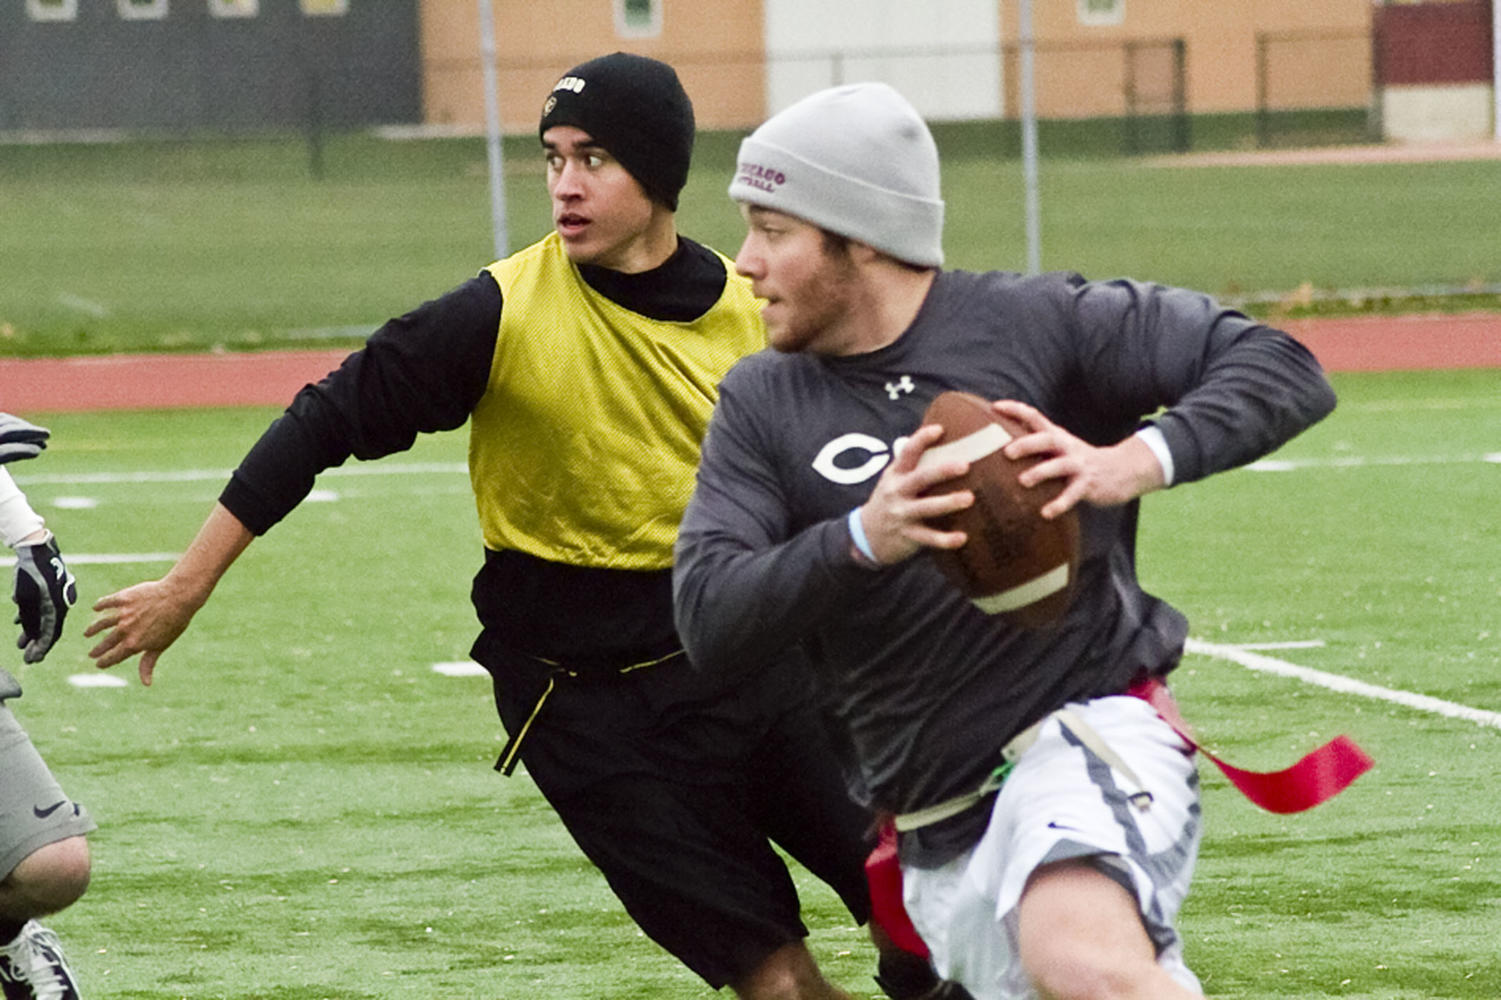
(492, 131)
(1376, 113)
(1263, 111)
(1496, 70)
(1182, 123)
(1029, 142)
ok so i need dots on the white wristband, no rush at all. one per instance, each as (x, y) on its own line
(857, 533)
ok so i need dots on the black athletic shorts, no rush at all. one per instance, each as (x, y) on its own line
(675, 786)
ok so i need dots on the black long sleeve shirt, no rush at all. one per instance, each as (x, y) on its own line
(424, 372)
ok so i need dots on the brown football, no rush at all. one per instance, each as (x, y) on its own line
(1015, 564)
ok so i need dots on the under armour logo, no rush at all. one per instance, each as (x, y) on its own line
(901, 385)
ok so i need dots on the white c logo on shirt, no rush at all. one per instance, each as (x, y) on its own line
(876, 450)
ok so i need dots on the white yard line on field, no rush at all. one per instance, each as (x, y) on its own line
(1289, 644)
(199, 475)
(460, 468)
(1335, 682)
(1360, 462)
(460, 668)
(80, 304)
(106, 558)
(97, 680)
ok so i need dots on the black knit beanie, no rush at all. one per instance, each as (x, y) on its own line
(636, 109)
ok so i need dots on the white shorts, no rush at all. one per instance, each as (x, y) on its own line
(1064, 801)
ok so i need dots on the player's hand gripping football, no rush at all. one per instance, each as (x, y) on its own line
(897, 517)
(44, 591)
(1105, 477)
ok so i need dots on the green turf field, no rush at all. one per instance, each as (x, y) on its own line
(192, 245)
(301, 807)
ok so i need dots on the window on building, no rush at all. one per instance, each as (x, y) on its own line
(141, 10)
(234, 8)
(52, 10)
(1102, 11)
(638, 18)
(324, 8)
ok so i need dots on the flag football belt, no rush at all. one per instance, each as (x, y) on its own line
(1319, 776)
(510, 755)
(1010, 754)
(1316, 778)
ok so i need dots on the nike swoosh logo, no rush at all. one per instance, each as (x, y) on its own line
(44, 813)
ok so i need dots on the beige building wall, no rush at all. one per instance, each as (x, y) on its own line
(717, 48)
(1332, 69)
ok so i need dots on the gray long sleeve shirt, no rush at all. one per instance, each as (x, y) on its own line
(930, 687)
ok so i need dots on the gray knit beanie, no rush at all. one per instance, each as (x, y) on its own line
(856, 160)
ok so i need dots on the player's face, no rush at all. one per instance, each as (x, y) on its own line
(809, 289)
(601, 212)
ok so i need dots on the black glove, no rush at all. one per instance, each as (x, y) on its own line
(44, 592)
(19, 439)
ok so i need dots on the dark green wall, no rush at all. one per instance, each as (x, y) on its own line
(191, 71)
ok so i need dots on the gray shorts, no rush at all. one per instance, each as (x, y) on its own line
(34, 812)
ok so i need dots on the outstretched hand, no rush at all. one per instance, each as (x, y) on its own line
(1103, 476)
(897, 516)
(148, 617)
(145, 619)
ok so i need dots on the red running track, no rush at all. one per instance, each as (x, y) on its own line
(271, 378)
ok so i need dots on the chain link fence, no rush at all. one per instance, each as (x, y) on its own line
(1316, 88)
(1131, 96)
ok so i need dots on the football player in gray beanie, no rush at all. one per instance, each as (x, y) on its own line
(1042, 852)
